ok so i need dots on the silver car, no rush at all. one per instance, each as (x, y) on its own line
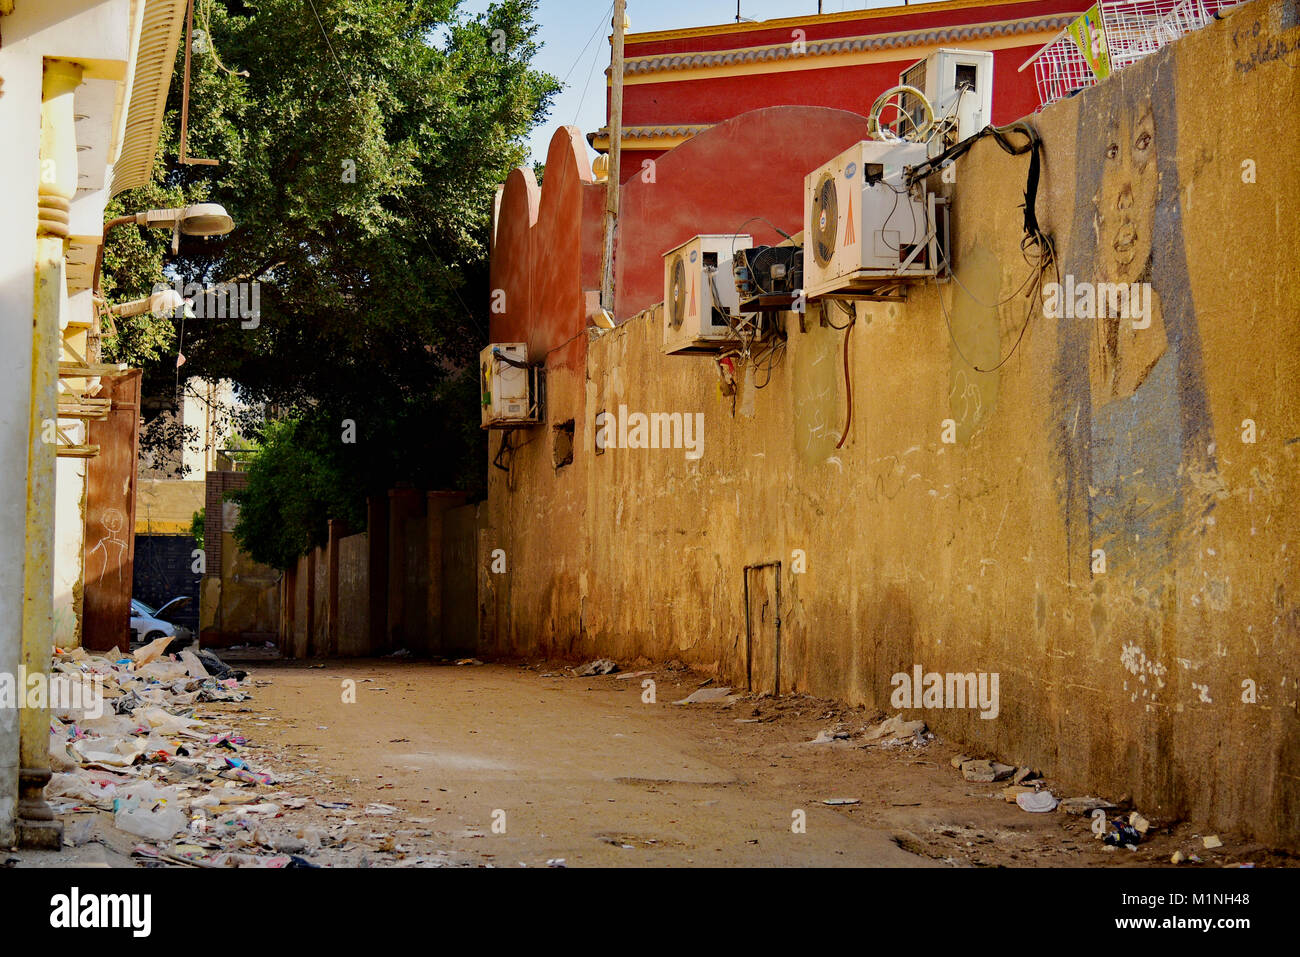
(148, 624)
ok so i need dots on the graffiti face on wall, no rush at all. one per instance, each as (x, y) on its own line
(1125, 351)
(1131, 394)
(1129, 185)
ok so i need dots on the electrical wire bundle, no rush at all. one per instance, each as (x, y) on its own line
(1036, 247)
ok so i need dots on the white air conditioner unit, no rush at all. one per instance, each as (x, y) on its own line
(509, 387)
(959, 86)
(865, 229)
(700, 292)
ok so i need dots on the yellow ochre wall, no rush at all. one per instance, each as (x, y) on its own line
(978, 556)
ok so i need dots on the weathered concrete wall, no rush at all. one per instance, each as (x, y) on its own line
(70, 551)
(239, 598)
(546, 248)
(412, 629)
(329, 604)
(241, 605)
(354, 596)
(297, 623)
(1172, 675)
(167, 506)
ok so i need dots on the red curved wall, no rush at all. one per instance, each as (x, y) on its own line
(546, 253)
(751, 165)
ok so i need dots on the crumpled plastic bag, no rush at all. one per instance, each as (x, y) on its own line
(149, 812)
(166, 723)
(193, 666)
(109, 726)
(162, 671)
(82, 787)
(115, 753)
(60, 758)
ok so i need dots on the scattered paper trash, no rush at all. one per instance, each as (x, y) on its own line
(1036, 802)
(826, 737)
(894, 730)
(706, 696)
(601, 666)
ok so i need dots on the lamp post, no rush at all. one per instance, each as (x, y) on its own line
(620, 24)
(202, 219)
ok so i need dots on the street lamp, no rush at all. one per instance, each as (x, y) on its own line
(163, 302)
(201, 219)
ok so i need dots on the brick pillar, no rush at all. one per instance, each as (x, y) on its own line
(403, 504)
(377, 546)
(437, 504)
(309, 633)
(289, 610)
(336, 531)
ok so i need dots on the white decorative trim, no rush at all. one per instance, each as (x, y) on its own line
(840, 45)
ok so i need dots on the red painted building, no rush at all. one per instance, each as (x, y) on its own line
(678, 83)
(735, 116)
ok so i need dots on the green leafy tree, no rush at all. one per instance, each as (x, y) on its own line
(359, 156)
(297, 482)
(196, 527)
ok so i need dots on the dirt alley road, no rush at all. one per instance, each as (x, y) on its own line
(586, 772)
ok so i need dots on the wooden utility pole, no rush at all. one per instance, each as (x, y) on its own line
(615, 157)
(185, 96)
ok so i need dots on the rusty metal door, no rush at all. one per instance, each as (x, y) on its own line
(110, 518)
(763, 627)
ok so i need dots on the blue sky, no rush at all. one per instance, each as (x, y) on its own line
(568, 26)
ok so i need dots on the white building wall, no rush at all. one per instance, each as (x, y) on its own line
(97, 33)
(206, 406)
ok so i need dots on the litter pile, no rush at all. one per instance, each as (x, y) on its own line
(891, 733)
(1022, 786)
(1026, 789)
(134, 754)
(601, 666)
